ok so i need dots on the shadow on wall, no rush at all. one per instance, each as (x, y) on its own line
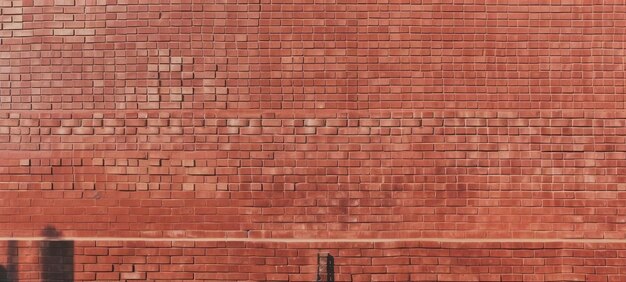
(9, 273)
(325, 268)
(56, 257)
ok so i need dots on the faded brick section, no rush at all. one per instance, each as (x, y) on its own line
(352, 120)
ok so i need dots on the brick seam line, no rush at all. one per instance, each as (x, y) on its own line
(330, 240)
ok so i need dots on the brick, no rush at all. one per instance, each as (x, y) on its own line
(82, 131)
(238, 122)
(201, 171)
(64, 2)
(314, 122)
(133, 276)
(12, 26)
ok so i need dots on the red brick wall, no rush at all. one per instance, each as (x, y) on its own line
(127, 121)
(115, 260)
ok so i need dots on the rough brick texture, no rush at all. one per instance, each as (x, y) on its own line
(354, 119)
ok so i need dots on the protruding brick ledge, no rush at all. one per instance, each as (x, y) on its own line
(321, 240)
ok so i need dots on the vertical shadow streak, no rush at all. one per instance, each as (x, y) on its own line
(12, 262)
(56, 257)
(325, 268)
(3, 274)
(330, 268)
(57, 260)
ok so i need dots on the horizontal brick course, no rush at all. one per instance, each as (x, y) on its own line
(258, 55)
(454, 173)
